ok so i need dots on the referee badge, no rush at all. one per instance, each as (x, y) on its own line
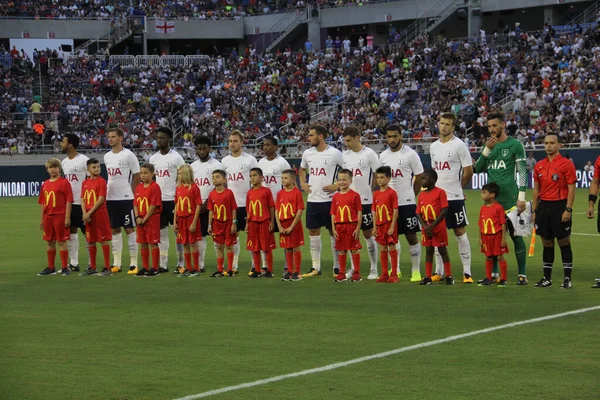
(555, 177)
(504, 152)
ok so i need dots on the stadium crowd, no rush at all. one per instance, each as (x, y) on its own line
(553, 81)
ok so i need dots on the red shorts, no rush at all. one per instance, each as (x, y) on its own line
(54, 228)
(221, 233)
(439, 237)
(184, 236)
(149, 233)
(346, 240)
(382, 237)
(260, 238)
(492, 245)
(294, 239)
(98, 229)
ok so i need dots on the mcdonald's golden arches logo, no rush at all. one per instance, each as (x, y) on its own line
(379, 210)
(487, 231)
(179, 236)
(89, 197)
(284, 209)
(48, 195)
(249, 243)
(181, 201)
(254, 205)
(425, 213)
(220, 211)
(142, 202)
(341, 213)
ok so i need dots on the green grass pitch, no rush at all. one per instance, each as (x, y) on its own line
(128, 338)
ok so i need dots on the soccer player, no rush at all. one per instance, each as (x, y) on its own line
(553, 196)
(322, 162)
(238, 165)
(385, 211)
(502, 158)
(492, 234)
(289, 207)
(363, 162)
(56, 199)
(95, 216)
(203, 169)
(123, 177)
(260, 209)
(186, 219)
(166, 161)
(272, 166)
(592, 197)
(147, 208)
(451, 159)
(74, 168)
(222, 221)
(431, 211)
(346, 220)
(406, 168)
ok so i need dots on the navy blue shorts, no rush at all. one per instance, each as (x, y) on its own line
(120, 213)
(407, 219)
(318, 215)
(367, 217)
(241, 216)
(77, 217)
(204, 223)
(457, 214)
(166, 215)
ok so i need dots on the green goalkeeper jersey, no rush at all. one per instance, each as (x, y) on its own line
(506, 166)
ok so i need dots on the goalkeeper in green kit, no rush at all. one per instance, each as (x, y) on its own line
(502, 158)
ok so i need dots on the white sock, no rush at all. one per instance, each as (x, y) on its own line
(236, 254)
(202, 251)
(73, 247)
(117, 248)
(133, 248)
(163, 247)
(315, 252)
(252, 261)
(179, 248)
(464, 248)
(336, 262)
(372, 250)
(415, 257)
(439, 263)
(263, 257)
(399, 250)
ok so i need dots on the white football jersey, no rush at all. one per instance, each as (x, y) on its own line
(238, 175)
(121, 167)
(272, 171)
(322, 168)
(448, 159)
(363, 165)
(75, 171)
(405, 164)
(165, 170)
(203, 175)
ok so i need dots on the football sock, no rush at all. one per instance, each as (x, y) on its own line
(356, 263)
(263, 258)
(297, 261)
(520, 254)
(73, 246)
(93, 250)
(51, 255)
(289, 261)
(145, 258)
(333, 251)
(489, 265)
(383, 256)
(117, 248)
(220, 264)
(269, 259)
(548, 260)
(448, 269)
(188, 261)
(394, 261)
(64, 258)
(567, 259)
(342, 262)
(164, 247)
(133, 248)
(195, 260)
(464, 248)
(253, 262)
(399, 252)
(315, 252)
(179, 248)
(230, 258)
(415, 257)
(256, 260)
(439, 262)
(155, 257)
(372, 251)
(236, 255)
(106, 254)
(428, 269)
(202, 251)
(503, 269)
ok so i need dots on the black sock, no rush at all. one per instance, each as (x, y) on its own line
(548, 259)
(567, 259)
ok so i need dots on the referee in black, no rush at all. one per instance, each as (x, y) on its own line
(553, 195)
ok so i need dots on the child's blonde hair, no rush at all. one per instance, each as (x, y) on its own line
(187, 174)
(54, 162)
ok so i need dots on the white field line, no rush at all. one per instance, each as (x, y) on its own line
(384, 354)
(585, 234)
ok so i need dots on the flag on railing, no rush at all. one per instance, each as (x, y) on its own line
(164, 26)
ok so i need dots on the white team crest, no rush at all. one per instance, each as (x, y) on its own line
(504, 152)
(273, 170)
(448, 154)
(169, 164)
(208, 171)
(326, 161)
(360, 161)
(242, 166)
(401, 161)
(121, 162)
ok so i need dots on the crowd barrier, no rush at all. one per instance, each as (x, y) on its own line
(158, 61)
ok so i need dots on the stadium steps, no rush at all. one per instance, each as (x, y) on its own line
(280, 31)
(107, 39)
(431, 19)
(586, 17)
